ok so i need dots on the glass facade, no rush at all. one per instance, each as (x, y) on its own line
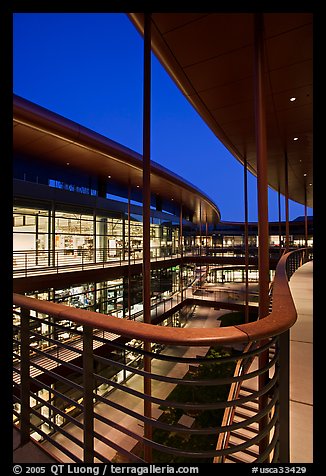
(57, 237)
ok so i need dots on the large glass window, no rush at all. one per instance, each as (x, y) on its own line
(30, 237)
(74, 235)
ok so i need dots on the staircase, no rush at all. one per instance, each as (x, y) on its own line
(242, 435)
(241, 413)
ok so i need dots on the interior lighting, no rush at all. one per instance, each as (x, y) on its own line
(292, 99)
(68, 163)
(137, 186)
(305, 175)
(109, 176)
(295, 138)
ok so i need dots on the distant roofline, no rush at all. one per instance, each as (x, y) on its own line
(76, 132)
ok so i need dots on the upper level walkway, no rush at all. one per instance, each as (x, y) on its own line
(30, 272)
(301, 367)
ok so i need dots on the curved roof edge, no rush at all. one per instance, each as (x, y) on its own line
(105, 154)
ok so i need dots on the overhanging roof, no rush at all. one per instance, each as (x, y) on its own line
(210, 58)
(50, 137)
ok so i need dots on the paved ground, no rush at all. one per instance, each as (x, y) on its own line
(301, 367)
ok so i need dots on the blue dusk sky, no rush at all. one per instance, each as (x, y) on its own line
(88, 67)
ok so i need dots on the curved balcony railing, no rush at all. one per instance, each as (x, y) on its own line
(35, 262)
(91, 400)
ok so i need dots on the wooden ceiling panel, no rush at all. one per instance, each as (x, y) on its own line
(289, 48)
(221, 70)
(239, 111)
(278, 23)
(236, 92)
(211, 58)
(291, 77)
(211, 39)
(170, 23)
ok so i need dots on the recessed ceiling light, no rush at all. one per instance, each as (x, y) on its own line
(295, 138)
(137, 186)
(68, 163)
(109, 176)
(292, 99)
(305, 175)
(310, 184)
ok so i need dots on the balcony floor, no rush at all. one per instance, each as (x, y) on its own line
(301, 367)
(29, 453)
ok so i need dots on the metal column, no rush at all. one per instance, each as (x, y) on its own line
(88, 384)
(146, 226)
(287, 226)
(129, 256)
(24, 377)
(262, 194)
(200, 230)
(245, 184)
(262, 169)
(181, 251)
(279, 221)
(305, 217)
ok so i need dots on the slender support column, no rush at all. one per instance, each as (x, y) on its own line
(88, 384)
(305, 217)
(123, 237)
(200, 230)
(262, 194)
(129, 256)
(49, 238)
(245, 184)
(287, 225)
(206, 231)
(36, 239)
(181, 251)
(146, 224)
(206, 245)
(279, 220)
(94, 237)
(262, 184)
(24, 377)
(53, 250)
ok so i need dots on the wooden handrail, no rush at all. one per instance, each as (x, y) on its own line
(282, 317)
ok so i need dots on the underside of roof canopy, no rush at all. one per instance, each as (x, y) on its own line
(210, 56)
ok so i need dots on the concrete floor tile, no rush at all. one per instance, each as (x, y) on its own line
(301, 431)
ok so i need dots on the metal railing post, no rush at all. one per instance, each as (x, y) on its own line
(26, 264)
(24, 377)
(284, 397)
(88, 384)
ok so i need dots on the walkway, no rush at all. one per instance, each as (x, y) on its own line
(301, 367)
